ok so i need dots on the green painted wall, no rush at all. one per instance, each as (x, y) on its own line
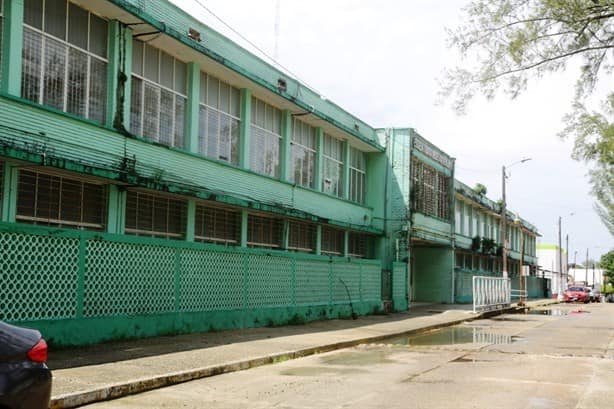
(432, 274)
(82, 287)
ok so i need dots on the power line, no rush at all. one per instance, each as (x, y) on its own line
(273, 60)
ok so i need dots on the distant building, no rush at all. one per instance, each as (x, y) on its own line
(548, 260)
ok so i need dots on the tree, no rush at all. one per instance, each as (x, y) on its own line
(607, 263)
(505, 42)
(480, 189)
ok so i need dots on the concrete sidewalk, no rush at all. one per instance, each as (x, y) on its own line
(107, 371)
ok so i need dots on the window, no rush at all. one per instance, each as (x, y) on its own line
(430, 191)
(59, 201)
(332, 166)
(474, 222)
(263, 231)
(301, 236)
(332, 242)
(459, 260)
(358, 245)
(458, 228)
(265, 143)
(1, 16)
(466, 213)
(155, 216)
(303, 154)
(217, 225)
(65, 58)
(219, 118)
(358, 175)
(158, 100)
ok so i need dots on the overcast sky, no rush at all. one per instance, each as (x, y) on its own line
(381, 60)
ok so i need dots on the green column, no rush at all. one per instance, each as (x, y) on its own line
(118, 76)
(9, 194)
(244, 228)
(246, 119)
(346, 170)
(192, 109)
(190, 220)
(286, 146)
(319, 148)
(116, 211)
(12, 46)
(285, 237)
(346, 243)
(318, 239)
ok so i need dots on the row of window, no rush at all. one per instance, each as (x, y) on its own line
(65, 202)
(470, 221)
(469, 261)
(65, 65)
(429, 190)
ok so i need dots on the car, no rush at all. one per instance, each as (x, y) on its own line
(25, 379)
(595, 295)
(577, 294)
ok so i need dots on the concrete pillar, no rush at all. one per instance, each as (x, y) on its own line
(346, 170)
(245, 128)
(12, 47)
(192, 108)
(116, 210)
(285, 165)
(9, 193)
(244, 224)
(319, 159)
(190, 220)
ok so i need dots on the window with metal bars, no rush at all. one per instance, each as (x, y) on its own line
(459, 260)
(60, 201)
(217, 225)
(430, 190)
(219, 119)
(155, 216)
(359, 245)
(332, 166)
(265, 142)
(301, 236)
(358, 175)
(264, 231)
(158, 100)
(303, 154)
(64, 58)
(332, 242)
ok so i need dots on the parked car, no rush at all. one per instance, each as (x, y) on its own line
(595, 295)
(577, 294)
(25, 379)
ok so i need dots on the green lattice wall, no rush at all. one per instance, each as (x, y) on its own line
(400, 284)
(83, 287)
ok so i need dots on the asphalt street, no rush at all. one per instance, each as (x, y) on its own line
(561, 357)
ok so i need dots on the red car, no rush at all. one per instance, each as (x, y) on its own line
(579, 294)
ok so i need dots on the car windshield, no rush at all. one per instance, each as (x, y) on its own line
(575, 289)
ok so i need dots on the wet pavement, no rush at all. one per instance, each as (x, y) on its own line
(546, 360)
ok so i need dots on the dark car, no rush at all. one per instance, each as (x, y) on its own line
(579, 294)
(25, 379)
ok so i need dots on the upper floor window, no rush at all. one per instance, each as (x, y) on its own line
(358, 175)
(158, 100)
(303, 154)
(458, 227)
(265, 142)
(65, 58)
(60, 201)
(466, 216)
(332, 166)
(219, 118)
(217, 225)
(155, 216)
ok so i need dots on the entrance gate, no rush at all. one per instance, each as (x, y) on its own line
(491, 293)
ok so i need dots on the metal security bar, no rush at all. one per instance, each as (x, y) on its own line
(491, 293)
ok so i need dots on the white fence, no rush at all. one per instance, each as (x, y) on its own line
(491, 293)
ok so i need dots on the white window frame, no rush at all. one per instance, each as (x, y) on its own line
(259, 164)
(310, 154)
(338, 162)
(358, 178)
(159, 87)
(46, 37)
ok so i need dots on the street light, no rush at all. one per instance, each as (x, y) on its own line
(504, 214)
(518, 222)
(560, 289)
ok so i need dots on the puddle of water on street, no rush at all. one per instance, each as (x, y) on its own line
(451, 336)
(359, 358)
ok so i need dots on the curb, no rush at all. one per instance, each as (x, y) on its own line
(119, 390)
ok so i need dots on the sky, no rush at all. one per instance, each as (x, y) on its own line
(382, 61)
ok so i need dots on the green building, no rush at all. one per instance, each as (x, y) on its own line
(158, 179)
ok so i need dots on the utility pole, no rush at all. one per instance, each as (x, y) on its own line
(521, 280)
(503, 224)
(586, 268)
(560, 260)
